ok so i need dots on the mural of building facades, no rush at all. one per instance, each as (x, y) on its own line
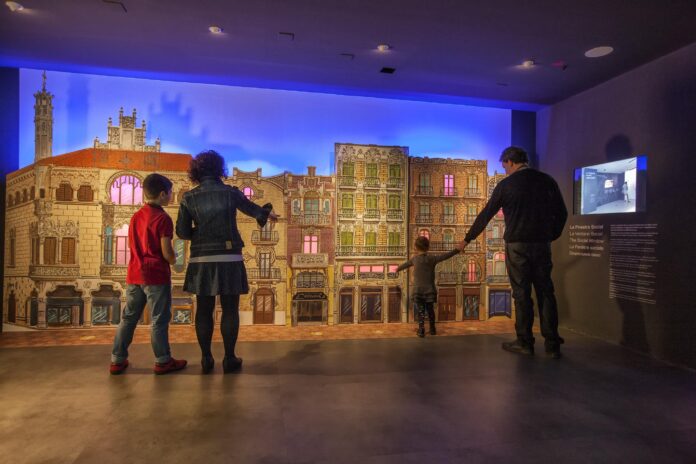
(445, 196)
(371, 233)
(311, 242)
(330, 259)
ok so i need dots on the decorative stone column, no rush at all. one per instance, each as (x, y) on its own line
(41, 322)
(88, 311)
(75, 315)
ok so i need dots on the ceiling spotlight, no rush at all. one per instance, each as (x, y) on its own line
(528, 64)
(215, 29)
(383, 47)
(14, 6)
(598, 52)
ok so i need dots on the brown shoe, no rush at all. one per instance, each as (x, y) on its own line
(171, 366)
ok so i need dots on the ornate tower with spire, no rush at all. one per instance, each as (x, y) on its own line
(43, 123)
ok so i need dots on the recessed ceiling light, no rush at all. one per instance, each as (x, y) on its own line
(528, 64)
(598, 52)
(215, 29)
(14, 6)
(383, 47)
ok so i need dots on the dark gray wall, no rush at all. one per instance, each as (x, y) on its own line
(9, 150)
(650, 110)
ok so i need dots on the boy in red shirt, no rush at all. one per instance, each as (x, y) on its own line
(149, 278)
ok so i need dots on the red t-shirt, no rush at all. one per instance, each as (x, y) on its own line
(147, 265)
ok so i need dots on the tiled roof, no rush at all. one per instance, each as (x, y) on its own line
(115, 159)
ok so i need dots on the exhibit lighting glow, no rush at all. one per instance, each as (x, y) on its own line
(528, 64)
(215, 29)
(383, 47)
(14, 6)
(598, 52)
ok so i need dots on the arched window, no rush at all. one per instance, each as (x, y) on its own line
(84, 193)
(64, 192)
(499, 264)
(472, 274)
(108, 245)
(126, 190)
(248, 192)
(33, 192)
(25, 195)
(122, 247)
(473, 181)
(17, 198)
(496, 231)
(67, 250)
(311, 203)
(448, 236)
(424, 233)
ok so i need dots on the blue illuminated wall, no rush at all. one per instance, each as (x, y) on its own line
(276, 130)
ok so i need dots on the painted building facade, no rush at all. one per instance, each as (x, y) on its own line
(371, 233)
(498, 296)
(311, 243)
(445, 195)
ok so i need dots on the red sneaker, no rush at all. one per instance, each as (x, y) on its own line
(118, 368)
(171, 366)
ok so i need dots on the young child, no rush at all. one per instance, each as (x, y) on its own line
(149, 278)
(424, 292)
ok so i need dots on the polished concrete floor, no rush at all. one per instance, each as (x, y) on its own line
(441, 399)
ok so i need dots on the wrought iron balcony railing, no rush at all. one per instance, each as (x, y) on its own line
(495, 242)
(371, 275)
(426, 190)
(310, 219)
(371, 214)
(264, 237)
(448, 219)
(424, 218)
(471, 277)
(370, 250)
(448, 192)
(310, 282)
(395, 183)
(371, 182)
(472, 192)
(497, 279)
(395, 215)
(447, 277)
(345, 213)
(263, 273)
(473, 247)
(443, 246)
(55, 271)
(469, 218)
(346, 181)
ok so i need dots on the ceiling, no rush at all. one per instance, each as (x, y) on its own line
(459, 51)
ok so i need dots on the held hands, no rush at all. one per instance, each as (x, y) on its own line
(273, 217)
(462, 246)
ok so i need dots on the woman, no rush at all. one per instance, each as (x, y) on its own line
(208, 217)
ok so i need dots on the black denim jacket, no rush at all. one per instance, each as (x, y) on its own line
(208, 217)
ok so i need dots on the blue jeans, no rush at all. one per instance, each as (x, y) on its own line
(159, 299)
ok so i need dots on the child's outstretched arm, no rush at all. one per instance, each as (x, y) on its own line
(404, 266)
(446, 256)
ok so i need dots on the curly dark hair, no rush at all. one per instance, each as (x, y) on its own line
(207, 163)
(422, 243)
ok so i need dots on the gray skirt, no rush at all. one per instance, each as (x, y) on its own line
(229, 278)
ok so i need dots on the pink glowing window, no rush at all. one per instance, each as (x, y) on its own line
(499, 214)
(471, 272)
(424, 233)
(364, 268)
(499, 256)
(348, 269)
(449, 185)
(377, 268)
(127, 190)
(122, 247)
(393, 268)
(248, 192)
(310, 244)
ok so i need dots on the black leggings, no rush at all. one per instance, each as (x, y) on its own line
(229, 326)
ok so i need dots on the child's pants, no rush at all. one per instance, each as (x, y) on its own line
(159, 299)
(420, 309)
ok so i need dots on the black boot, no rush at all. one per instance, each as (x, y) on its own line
(432, 328)
(207, 364)
(519, 347)
(231, 364)
(553, 349)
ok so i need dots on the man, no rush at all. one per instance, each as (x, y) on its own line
(535, 215)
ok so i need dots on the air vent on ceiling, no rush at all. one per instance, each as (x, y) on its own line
(388, 70)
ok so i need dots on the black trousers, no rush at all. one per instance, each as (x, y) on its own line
(229, 325)
(530, 264)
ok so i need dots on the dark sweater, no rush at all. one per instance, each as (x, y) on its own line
(532, 205)
(424, 289)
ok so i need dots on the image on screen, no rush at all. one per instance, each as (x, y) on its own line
(614, 187)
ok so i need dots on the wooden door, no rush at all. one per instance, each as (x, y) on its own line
(447, 304)
(472, 300)
(263, 307)
(11, 308)
(346, 302)
(394, 304)
(371, 305)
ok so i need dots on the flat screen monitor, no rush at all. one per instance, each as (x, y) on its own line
(610, 188)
